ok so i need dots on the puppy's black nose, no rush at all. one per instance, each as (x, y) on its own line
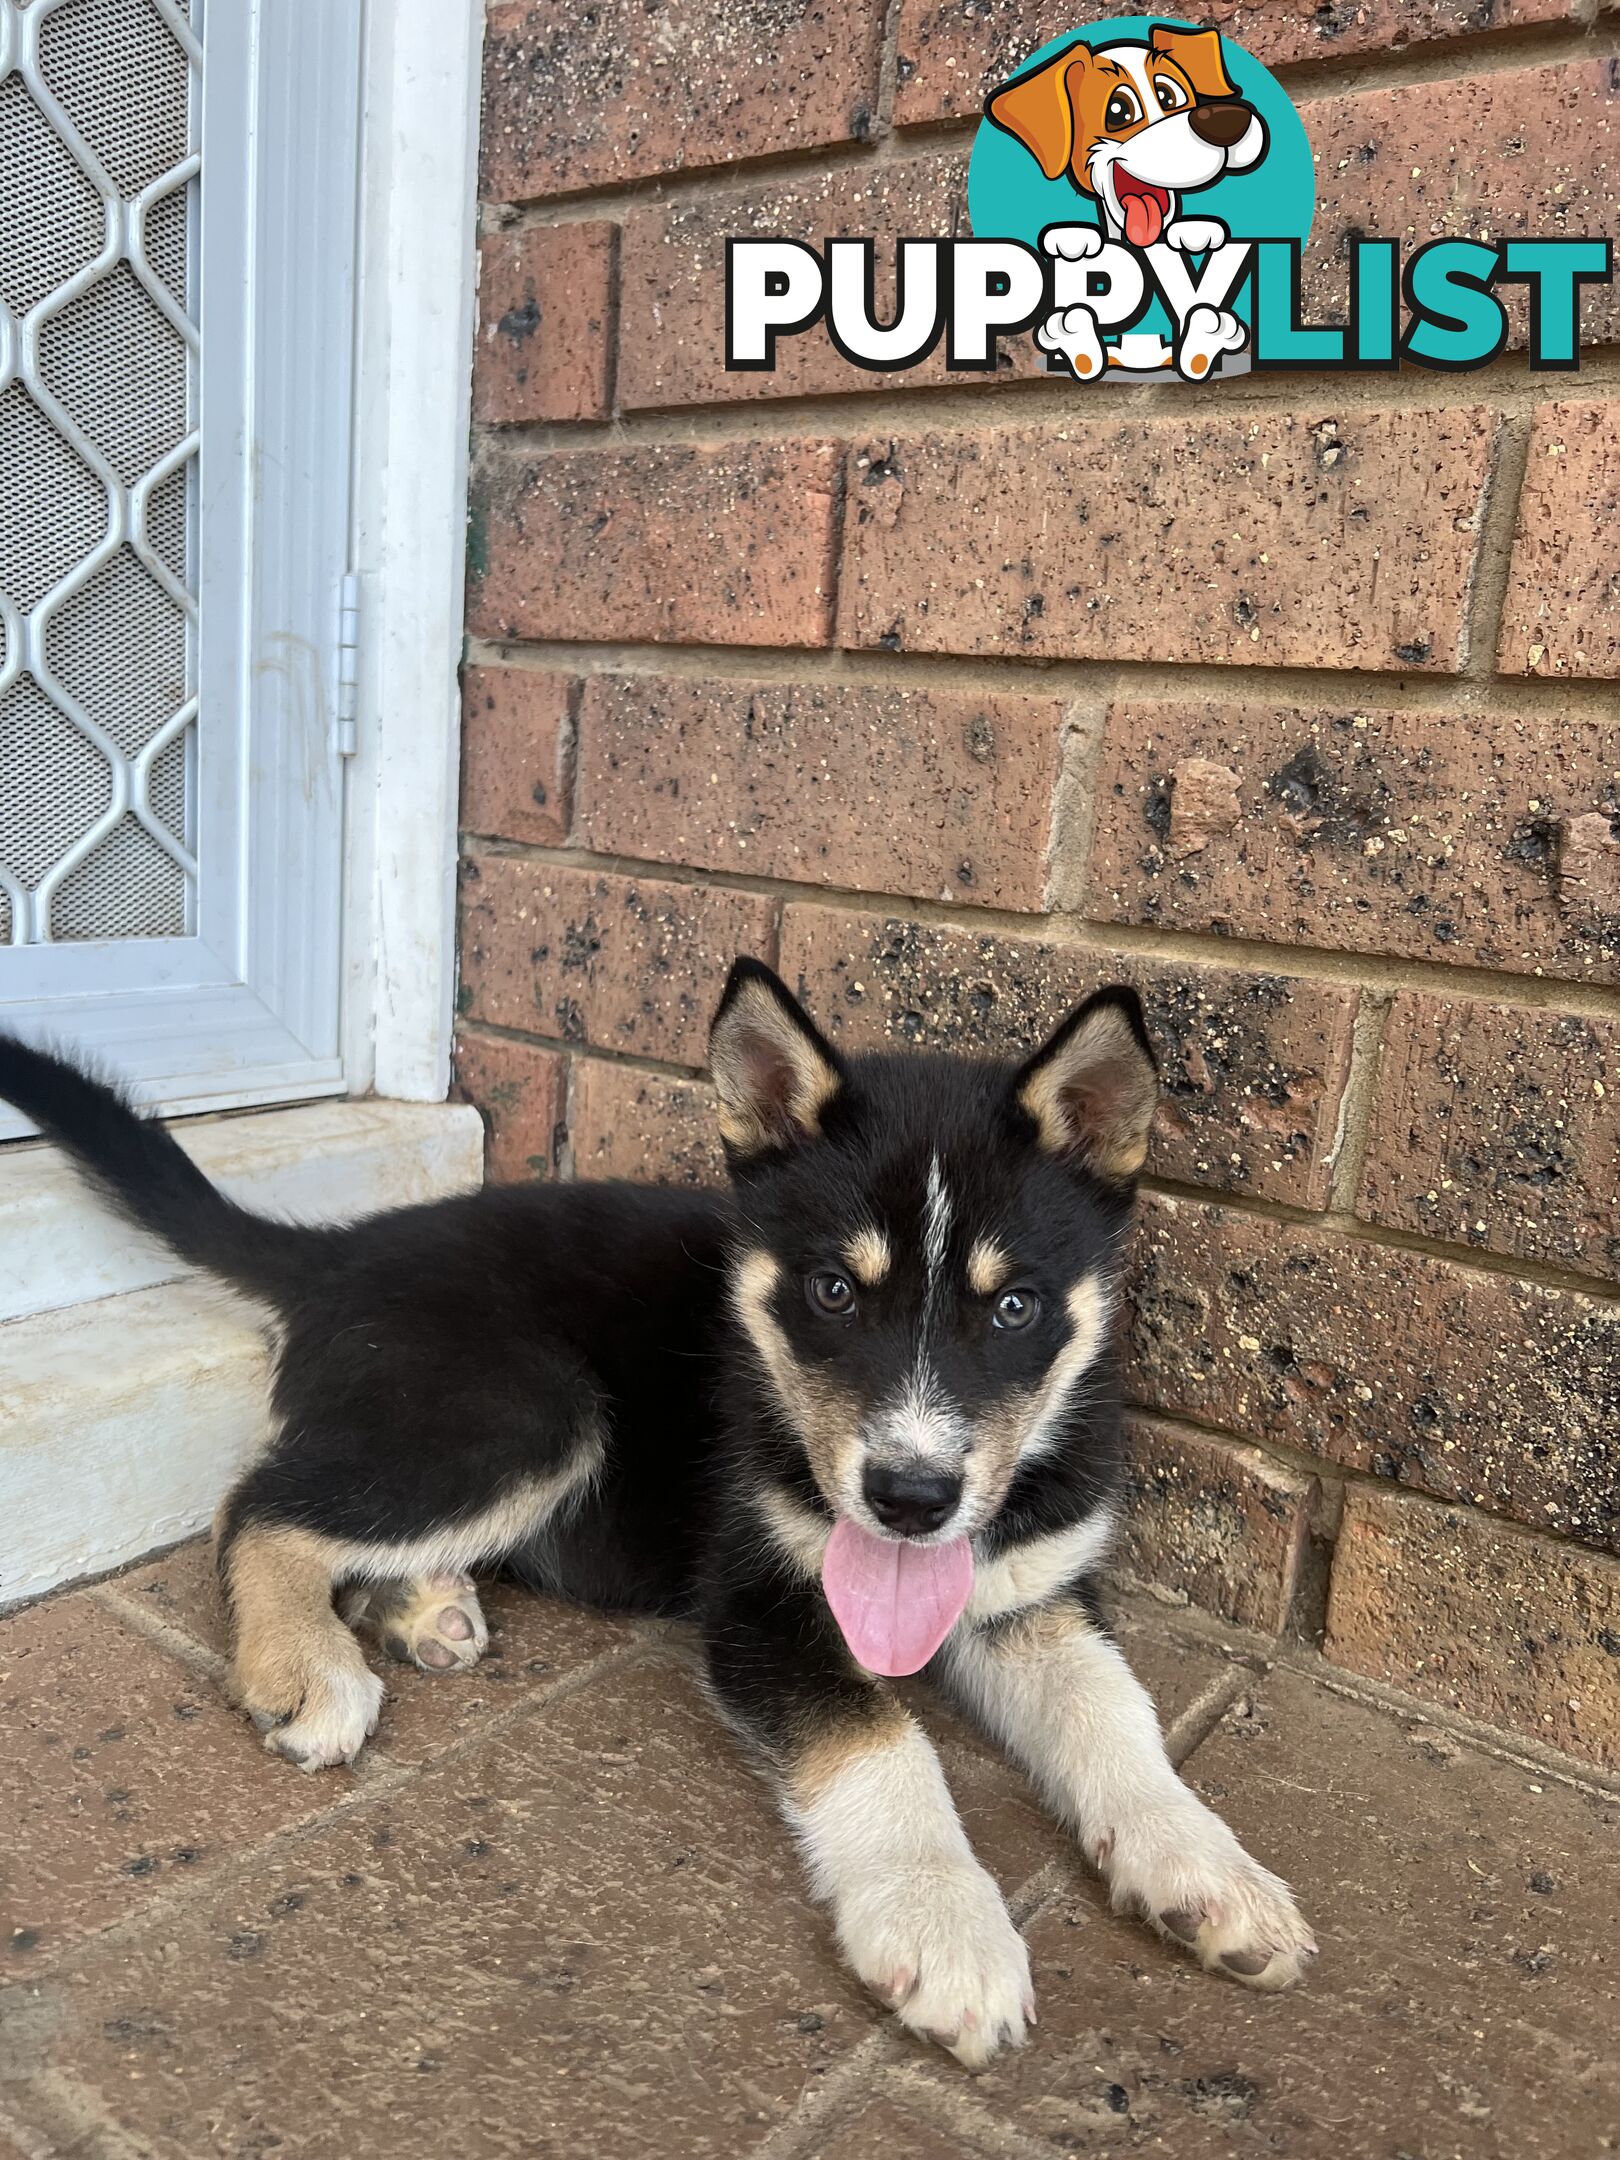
(1221, 125)
(911, 1501)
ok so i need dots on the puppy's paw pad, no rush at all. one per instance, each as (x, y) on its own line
(943, 1954)
(437, 1624)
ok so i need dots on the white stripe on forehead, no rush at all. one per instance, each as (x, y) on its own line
(937, 1225)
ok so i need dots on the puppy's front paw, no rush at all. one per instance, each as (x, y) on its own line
(316, 1713)
(937, 1945)
(1189, 1876)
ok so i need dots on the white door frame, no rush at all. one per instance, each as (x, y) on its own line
(418, 270)
(412, 330)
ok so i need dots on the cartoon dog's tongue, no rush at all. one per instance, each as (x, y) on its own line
(895, 1603)
(1143, 211)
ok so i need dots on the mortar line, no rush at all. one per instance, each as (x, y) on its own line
(1304, 963)
(1072, 817)
(385, 1776)
(1230, 683)
(1309, 79)
(1468, 1260)
(1346, 1159)
(184, 1647)
(945, 2098)
(888, 78)
(1265, 1655)
(863, 412)
(61, 2101)
(1485, 597)
(823, 2104)
(21, 2133)
(1299, 1463)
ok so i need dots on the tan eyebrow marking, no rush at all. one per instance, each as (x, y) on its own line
(988, 1266)
(868, 1255)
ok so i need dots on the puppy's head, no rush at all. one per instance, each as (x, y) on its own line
(927, 1246)
(1135, 126)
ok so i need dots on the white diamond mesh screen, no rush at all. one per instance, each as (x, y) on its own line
(99, 124)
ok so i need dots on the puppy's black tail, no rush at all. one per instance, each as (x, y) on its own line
(152, 1181)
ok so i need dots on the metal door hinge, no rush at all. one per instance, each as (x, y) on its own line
(347, 712)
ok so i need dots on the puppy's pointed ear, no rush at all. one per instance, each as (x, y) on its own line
(773, 1070)
(1199, 56)
(1038, 108)
(1092, 1088)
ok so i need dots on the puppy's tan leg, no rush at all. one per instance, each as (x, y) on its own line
(295, 1667)
(431, 1621)
(1061, 1698)
(918, 1918)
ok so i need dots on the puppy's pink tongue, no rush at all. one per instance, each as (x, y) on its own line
(1144, 220)
(895, 1603)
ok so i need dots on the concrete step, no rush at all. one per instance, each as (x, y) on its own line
(322, 1162)
(123, 1418)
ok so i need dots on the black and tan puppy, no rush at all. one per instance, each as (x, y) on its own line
(858, 1418)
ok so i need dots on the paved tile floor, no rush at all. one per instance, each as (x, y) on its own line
(553, 1914)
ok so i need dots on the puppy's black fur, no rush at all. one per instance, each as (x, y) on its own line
(663, 1401)
(430, 1356)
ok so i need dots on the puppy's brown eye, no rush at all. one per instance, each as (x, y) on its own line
(1015, 1309)
(1169, 92)
(832, 1294)
(1121, 110)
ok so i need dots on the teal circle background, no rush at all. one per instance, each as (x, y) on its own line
(1010, 198)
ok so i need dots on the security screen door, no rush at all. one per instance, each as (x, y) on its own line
(178, 209)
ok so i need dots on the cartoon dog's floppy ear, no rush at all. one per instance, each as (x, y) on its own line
(1198, 55)
(773, 1069)
(1092, 1088)
(1038, 108)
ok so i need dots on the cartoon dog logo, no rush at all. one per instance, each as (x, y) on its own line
(1136, 126)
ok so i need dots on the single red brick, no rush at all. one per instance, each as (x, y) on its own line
(1439, 835)
(1500, 1128)
(1526, 153)
(1254, 1065)
(620, 963)
(545, 324)
(520, 1090)
(650, 86)
(1469, 1385)
(1561, 614)
(516, 753)
(953, 53)
(1517, 1631)
(1222, 1526)
(726, 546)
(632, 1124)
(674, 279)
(943, 794)
(1272, 539)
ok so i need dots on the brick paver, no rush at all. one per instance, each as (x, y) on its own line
(558, 1915)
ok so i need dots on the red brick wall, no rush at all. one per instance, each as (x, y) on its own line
(1290, 700)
